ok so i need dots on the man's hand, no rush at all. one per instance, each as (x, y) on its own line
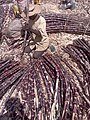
(37, 32)
(30, 30)
(26, 27)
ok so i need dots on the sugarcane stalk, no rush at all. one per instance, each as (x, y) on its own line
(67, 87)
(82, 43)
(81, 58)
(46, 79)
(12, 64)
(8, 75)
(83, 47)
(5, 65)
(84, 96)
(2, 61)
(75, 57)
(49, 71)
(41, 101)
(50, 58)
(7, 96)
(10, 83)
(75, 53)
(47, 84)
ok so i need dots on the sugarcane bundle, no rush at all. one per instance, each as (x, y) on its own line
(47, 88)
(5, 1)
(58, 22)
(79, 52)
(40, 86)
(69, 24)
(10, 73)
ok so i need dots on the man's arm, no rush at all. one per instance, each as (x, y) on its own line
(41, 30)
(36, 32)
(27, 27)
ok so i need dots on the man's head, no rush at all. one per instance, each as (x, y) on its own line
(33, 11)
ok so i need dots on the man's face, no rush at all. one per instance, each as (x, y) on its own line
(33, 17)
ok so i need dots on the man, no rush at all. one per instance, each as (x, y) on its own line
(68, 4)
(37, 27)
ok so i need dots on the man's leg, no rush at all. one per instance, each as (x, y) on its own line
(38, 54)
(27, 49)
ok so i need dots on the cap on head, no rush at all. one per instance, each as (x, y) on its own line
(33, 9)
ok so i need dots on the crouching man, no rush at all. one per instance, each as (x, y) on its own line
(37, 38)
(37, 28)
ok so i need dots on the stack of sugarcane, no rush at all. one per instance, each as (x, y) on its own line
(47, 89)
(62, 23)
(10, 73)
(59, 22)
(69, 24)
(79, 51)
(5, 1)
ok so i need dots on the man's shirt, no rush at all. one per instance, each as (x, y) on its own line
(41, 41)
